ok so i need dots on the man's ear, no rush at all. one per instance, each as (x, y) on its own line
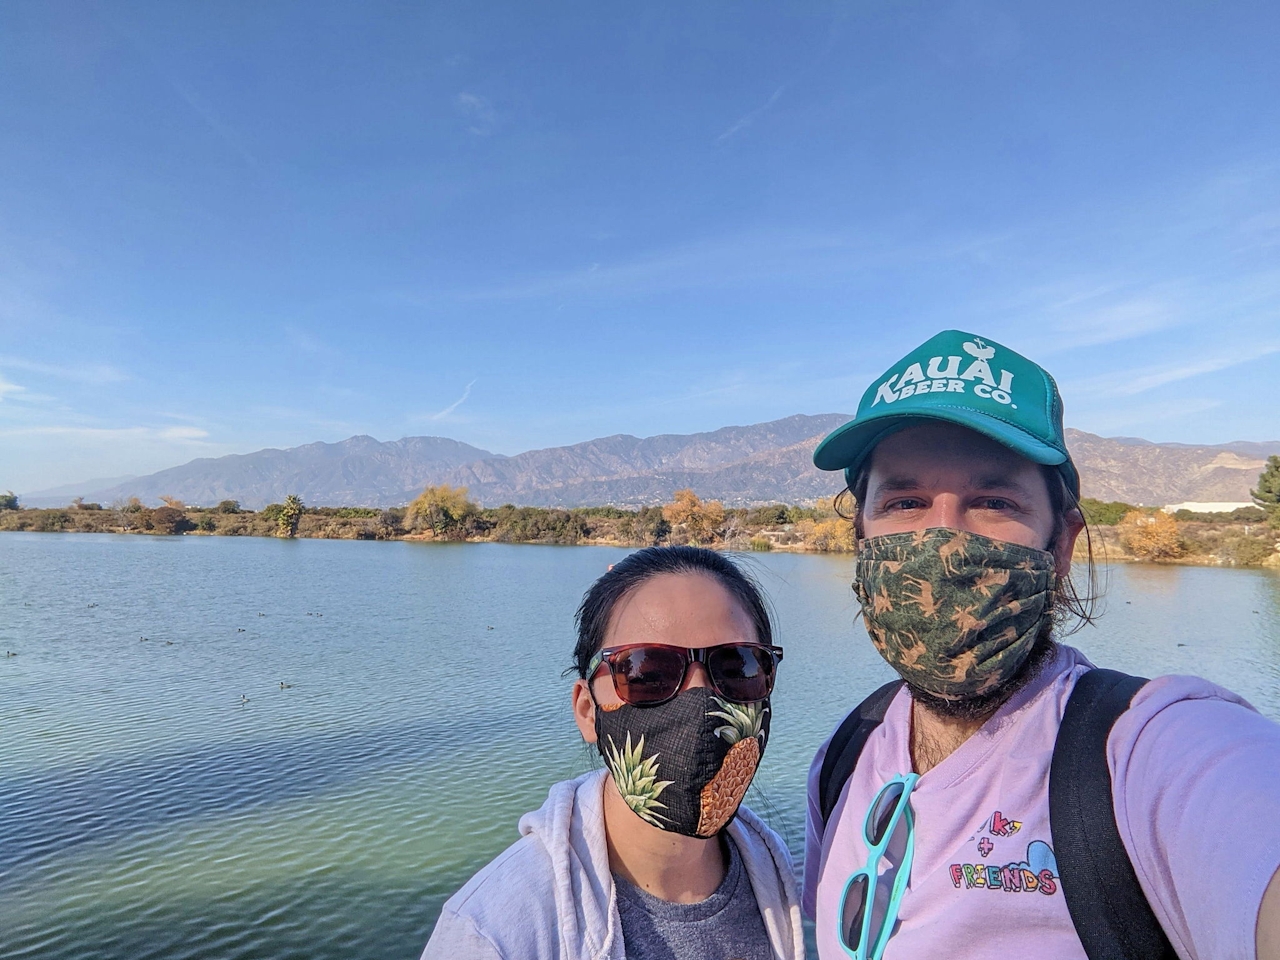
(584, 710)
(1065, 545)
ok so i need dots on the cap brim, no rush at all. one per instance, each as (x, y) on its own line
(848, 447)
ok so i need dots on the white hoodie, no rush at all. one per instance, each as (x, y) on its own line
(550, 895)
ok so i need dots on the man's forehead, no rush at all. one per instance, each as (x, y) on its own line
(914, 455)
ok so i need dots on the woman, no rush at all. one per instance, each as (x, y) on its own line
(652, 856)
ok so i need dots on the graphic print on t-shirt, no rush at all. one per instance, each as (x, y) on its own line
(1036, 872)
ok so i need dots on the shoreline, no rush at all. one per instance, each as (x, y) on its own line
(1115, 532)
(1102, 557)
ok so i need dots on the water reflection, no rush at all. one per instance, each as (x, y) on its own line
(145, 812)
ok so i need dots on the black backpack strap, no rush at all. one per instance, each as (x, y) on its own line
(1106, 902)
(847, 743)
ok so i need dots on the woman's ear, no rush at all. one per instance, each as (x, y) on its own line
(584, 710)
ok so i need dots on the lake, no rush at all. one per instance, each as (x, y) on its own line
(167, 797)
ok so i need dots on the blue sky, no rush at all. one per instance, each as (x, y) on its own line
(225, 226)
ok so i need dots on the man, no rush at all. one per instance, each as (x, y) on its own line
(939, 842)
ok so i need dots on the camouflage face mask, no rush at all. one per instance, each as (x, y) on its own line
(955, 613)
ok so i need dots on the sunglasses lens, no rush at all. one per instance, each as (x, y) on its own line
(647, 674)
(741, 671)
(853, 911)
(880, 815)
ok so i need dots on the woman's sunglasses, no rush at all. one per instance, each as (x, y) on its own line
(645, 674)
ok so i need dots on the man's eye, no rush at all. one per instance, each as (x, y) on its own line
(906, 504)
(996, 503)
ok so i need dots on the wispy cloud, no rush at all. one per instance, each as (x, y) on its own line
(92, 373)
(7, 388)
(748, 119)
(178, 435)
(222, 130)
(1128, 383)
(309, 343)
(746, 258)
(1129, 418)
(455, 405)
(479, 113)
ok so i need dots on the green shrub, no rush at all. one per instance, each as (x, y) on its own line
(170, 520)
(206, 524)
(9, 500)
(52, 521)
(15, 520)
(1104, 514)
(604, 513)
(1245, 551)
(647, 526)
(391, 523)
(532, 525)
(761, 544)
(1249, 514)
(771, 516)
(228, 506)
(1239, 515)
(796, 514)
(353, 513)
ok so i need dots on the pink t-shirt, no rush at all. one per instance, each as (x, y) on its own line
(1196, 783)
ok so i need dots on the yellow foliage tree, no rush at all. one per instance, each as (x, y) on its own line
(827, 536)
(1150, 536)
(825, 507)
(701, 521)
(441, 509)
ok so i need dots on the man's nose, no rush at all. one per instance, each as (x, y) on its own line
(945, 511)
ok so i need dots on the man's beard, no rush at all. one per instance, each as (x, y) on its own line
(985, 704)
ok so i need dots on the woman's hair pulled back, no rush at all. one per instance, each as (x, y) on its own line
(596, 611)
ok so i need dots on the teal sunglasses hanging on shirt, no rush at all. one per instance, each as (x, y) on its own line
(869, 911)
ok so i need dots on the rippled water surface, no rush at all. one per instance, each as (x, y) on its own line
(166, 797)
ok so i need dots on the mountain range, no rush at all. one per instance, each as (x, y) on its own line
(740, 465)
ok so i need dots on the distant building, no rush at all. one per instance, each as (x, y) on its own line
(1217, 506)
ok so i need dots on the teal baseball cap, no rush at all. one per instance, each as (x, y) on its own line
(964, 379)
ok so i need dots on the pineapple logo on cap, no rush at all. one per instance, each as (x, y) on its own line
(943, 375)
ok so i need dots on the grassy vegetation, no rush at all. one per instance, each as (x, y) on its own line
(446, 514)
(1119, 531)
(1161, 538)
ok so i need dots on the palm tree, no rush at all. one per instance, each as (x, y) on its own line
(287, 525)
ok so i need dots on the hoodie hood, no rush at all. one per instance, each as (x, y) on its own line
(570, 827)
(550, 895)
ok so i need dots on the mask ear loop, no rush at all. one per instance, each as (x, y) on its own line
(595, 714)
(596, 711)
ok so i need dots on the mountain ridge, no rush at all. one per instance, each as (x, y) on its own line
(740, 465)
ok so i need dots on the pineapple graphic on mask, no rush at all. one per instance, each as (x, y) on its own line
(684, 765)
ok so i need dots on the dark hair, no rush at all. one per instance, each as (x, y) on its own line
(597, 607)
(1069, 601)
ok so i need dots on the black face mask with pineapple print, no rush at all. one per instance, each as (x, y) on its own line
(684, 765)
(955, 613)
